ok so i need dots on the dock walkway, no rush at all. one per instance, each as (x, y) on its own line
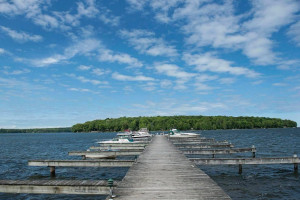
(163, 172)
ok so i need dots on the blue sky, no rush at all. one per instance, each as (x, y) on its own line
(67, 62)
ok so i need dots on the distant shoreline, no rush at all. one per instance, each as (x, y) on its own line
(37, 130)
(27, 130)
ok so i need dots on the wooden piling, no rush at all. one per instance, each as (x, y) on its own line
(52, 171)
(240, 168)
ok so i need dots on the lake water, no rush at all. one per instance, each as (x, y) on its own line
(256, 182)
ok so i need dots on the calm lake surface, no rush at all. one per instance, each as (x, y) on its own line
(256, 182)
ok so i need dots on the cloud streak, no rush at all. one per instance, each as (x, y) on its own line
(21, 36)
(121, 77)
(145, 42)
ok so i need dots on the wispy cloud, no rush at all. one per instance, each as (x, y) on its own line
(294, 33)
(146, 42)
(2, 51)
(173, 71)
(87, 80)
(209, 62)
(15, 72)
(207, 23)
(64, 20)
(121, 77)
(83, 47)
(123, 58)
(84, 67)
(227, 81)
(21, 36)
(80, 89)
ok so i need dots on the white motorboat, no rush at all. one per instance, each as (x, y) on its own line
(176, 133)
(142, 133)
(126, 133)
(117, 141)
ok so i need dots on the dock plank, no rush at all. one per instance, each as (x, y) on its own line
(163, 172)
(81, 163)
(55, 187)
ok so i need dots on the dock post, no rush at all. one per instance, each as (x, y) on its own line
(295, 164)
(83, 157)
(52, 171)
(213, 155)
(253, 151)
(240, 168)
(110, 184)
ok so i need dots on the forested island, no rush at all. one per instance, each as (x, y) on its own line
(36, 130)
(163, 123)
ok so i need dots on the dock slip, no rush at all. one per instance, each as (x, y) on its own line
(163, 172)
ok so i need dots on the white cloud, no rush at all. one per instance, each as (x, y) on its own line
(2, 51)
(64, 20)
(161, 8)
(98, 71)
(205, 77)
(29, 7)
(16, 72)
(21, 36)
(209, 62)
(88, 10)
(227, 81)
(107, 18)
(86, 80)
(173, 71)
(123, 58)
(202, 86)
(82, 47)
(145, 42)
(121, 77)
(136, 4)
(270, 15)
(279, 84)
(84, 67)
(165, 83)
(149, 86)
(80, 89)
(207, 23)
(294, 33)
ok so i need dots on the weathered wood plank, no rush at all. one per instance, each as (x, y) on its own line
(124, 144)
(180, 143)
(55, 187)
(218, 151)
(81, 163)
(117, 148)
(204, 146)
(245, 161)
(105, 153)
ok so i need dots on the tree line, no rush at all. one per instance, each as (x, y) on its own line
(163, 123)
(36, 130)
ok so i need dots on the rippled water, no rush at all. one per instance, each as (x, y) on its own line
(256, 182)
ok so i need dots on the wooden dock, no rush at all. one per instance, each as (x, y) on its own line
(124, 144)
(160, 172)
(248, 161)
(55, 187)
(163, 172)
(213, 152)
(105, 153)
(117, 148)
(204, 146)
(81, 163)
